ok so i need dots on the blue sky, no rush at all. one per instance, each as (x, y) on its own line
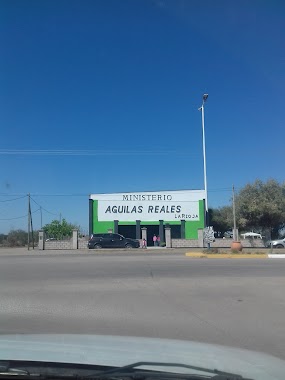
(127, 77)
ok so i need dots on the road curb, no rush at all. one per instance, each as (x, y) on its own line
(226, 255)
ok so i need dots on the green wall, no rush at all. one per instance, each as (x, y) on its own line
(100, 227)
(191, 227)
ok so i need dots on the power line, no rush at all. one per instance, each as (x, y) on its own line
(46, 195)
(219, 190)
(41, 207)
(87, 194)
(15, 199)
(61, 195)
(86, 152)
(20, 217)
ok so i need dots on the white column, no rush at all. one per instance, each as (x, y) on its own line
(74, 239)
(41, 240)
(168, 241)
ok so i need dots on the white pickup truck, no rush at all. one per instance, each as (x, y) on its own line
(251, 234)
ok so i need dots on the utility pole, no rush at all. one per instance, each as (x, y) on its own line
(205, 97)
(41, 211)
(29, 219)
(60, 218)
(204, 163)
(235, 238)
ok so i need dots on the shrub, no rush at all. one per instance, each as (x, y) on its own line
(211, 250)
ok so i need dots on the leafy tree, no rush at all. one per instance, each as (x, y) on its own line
(58, 230)
(221, 218)
(261, 205)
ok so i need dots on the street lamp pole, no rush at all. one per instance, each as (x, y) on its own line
(205, 97)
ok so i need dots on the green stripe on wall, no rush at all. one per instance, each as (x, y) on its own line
(191, 228)
(100, 227)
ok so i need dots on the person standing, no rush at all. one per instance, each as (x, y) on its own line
(144, 243)
(158, 240)
(154, 239)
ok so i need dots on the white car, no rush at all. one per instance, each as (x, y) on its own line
(86, 357)
(276, 243)
(251, 234)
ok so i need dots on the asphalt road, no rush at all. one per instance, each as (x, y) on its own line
(237, 303)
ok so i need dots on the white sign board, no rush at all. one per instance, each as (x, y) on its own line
(149, 206)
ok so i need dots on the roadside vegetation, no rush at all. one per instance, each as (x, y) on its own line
(56, 230)
(260, 207)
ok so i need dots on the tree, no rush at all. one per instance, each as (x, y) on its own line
(17, 238)
(261, 205)
(3, 238)
(221, 218)
(58, 230)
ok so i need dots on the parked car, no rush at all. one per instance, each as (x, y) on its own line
(218, 234)
(98, 241)
(251, 234)
(228, 234)
(276, 243)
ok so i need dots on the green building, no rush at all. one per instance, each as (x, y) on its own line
(127, 213)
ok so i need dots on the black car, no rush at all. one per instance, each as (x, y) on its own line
(112, 241)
